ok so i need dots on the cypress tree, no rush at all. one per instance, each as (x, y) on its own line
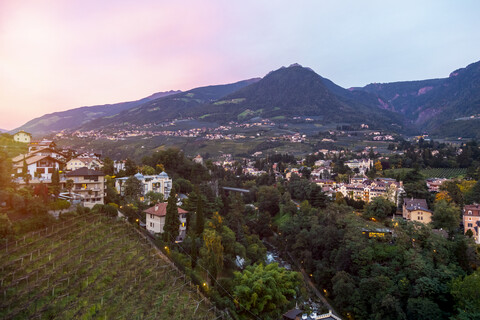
(200, 220)
(55, 188)
(172, 222)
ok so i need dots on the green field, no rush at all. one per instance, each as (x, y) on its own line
(429, 173)
(444, 172)
(93, 267)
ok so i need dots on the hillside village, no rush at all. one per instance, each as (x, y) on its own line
(167, 196)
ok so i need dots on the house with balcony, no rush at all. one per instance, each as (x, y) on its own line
(160, 183)
(155, 220)
(89, 185)
(471, 220)
(39, 167)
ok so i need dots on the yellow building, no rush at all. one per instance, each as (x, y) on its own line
(416, 210)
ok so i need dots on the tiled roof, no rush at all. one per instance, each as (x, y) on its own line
(161, 210)
(84, 172)
(33, 160)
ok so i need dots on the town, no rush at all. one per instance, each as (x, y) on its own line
(267, 193)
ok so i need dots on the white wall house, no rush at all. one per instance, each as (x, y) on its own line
(90, 163)
(155, 220)
(160, 183)
(22, 136)
(40, 167)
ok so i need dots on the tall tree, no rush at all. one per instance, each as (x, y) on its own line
(130, 167)
(446, 216)
(133, 188)
(172, 222)
(25, 175)
(55, 186)
(200, 219)
(108, 167)
(212, 252)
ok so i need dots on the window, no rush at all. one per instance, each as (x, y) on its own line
(152, 224)
(469, 211)
(470, 225)
(469, 218)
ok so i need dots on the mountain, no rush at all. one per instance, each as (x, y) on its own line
(3, 130)
(73, 118)
(170, 107)
(299, 92)
(442, 107)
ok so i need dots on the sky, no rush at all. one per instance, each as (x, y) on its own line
(57, 55)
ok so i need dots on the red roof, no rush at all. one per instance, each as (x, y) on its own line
(161, 210)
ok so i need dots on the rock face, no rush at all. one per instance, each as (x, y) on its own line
(434, 105)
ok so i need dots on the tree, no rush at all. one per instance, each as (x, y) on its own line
(466, 294)
(473, 195)
(108, 167)
(25, 175)
(378, 166)
(147, 170)
(154, 197)
(212, 252)
(172, 222)
(55, 185)
(133, 188)
(379, 208)
(69, 186)
(446, 216)
(453, 191)
(199, 217)
(264, 291)
(130, 167)
(269, 200)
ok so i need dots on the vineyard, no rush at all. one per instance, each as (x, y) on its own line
(443, 172)
(93, 267)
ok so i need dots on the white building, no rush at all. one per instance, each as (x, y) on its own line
(90, 163)
(118, 165)
(362, 165)
(160, 183)
(155, 220)
(40, 167)
(22, 136)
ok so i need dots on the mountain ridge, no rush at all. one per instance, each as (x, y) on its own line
(72, 118)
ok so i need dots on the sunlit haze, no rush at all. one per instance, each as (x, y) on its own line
(57, 55)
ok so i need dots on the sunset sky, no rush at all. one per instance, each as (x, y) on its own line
(61, 54)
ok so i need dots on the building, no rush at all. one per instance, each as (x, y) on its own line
(370, 189)
(89, 185)
(22, 136)
(44, 151)
(90, 163)
(160, 183)
(297, 314)
(39, 167)
(361, 164)
(155, 219)
(416, 210)
(118, 165)
(471, 220)
(198, 159)
(35, 145)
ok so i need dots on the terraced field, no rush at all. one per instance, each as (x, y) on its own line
(93, 267)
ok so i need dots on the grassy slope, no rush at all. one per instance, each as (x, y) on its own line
(92, 267)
